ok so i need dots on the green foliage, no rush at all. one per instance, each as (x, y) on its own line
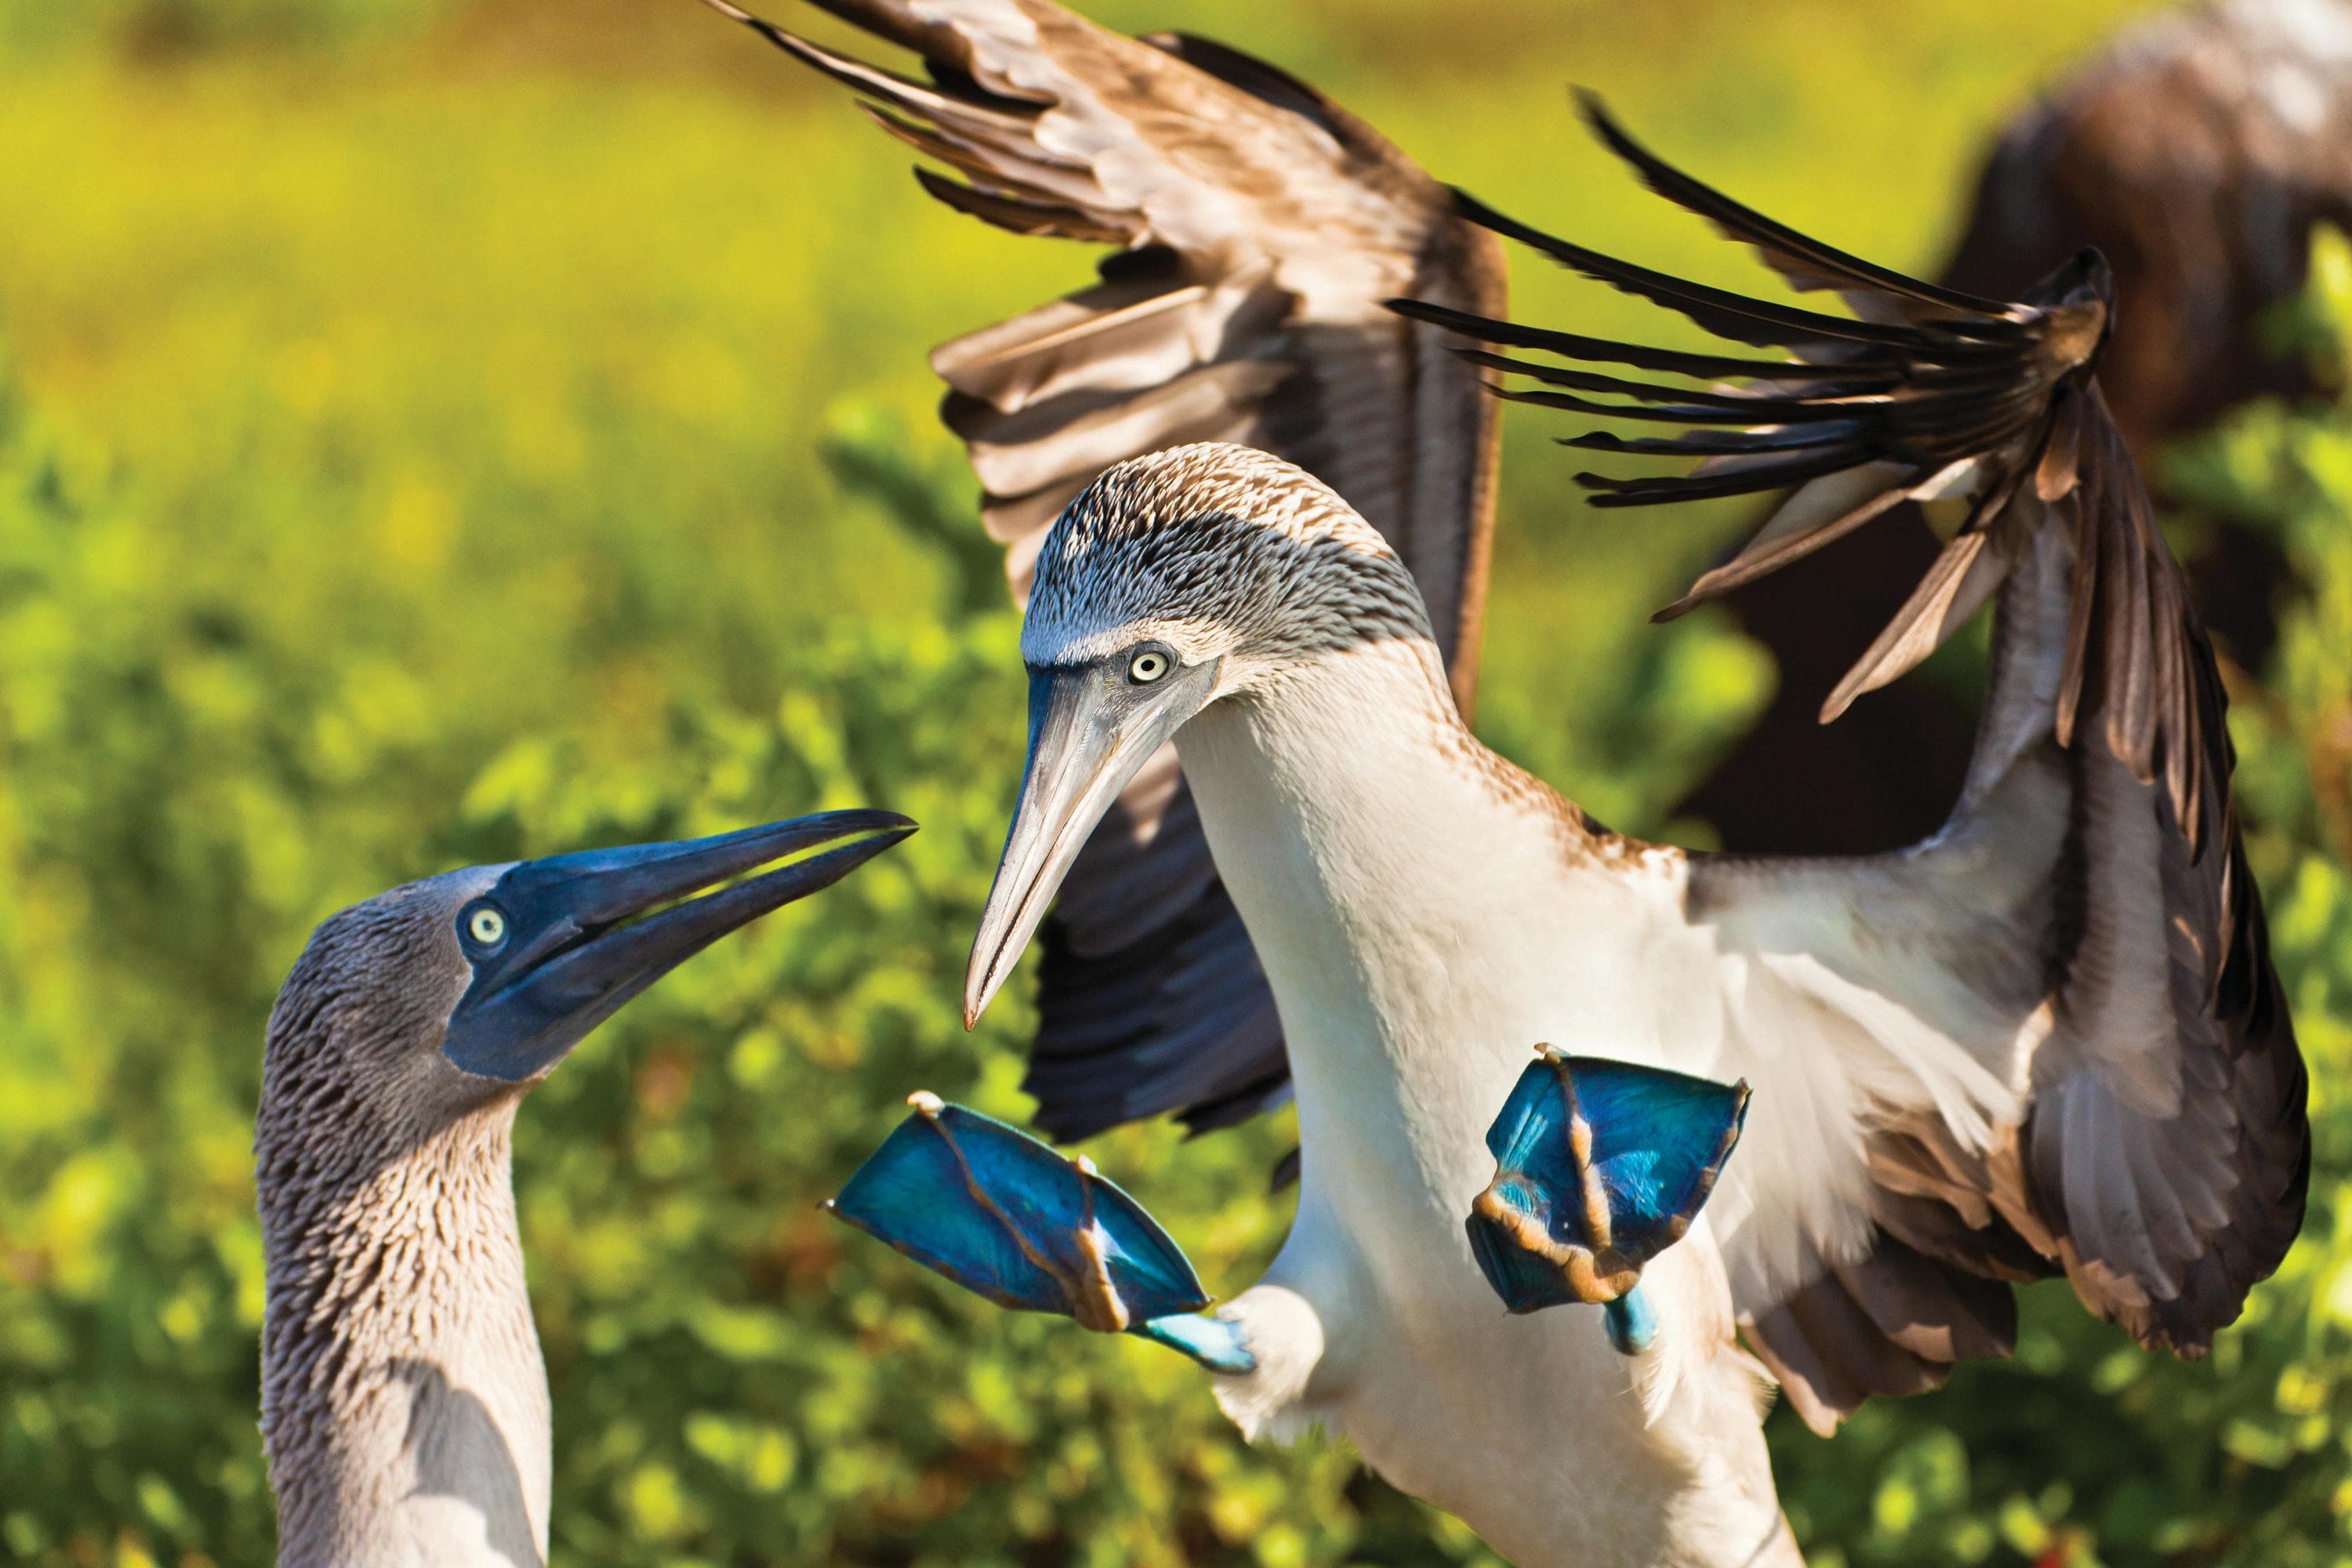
(404, 465)
(168, 28)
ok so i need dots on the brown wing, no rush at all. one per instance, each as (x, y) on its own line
(2199, 150)
(1261, 228)
(2084, 927)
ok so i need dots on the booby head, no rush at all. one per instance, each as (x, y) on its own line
(404, 1404)
(469, 984)
(1176, 580)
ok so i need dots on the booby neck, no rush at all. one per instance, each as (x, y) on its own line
(1379, 856)
(404, 1403)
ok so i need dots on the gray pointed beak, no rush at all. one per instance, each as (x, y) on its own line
(582, 934)
(1091, 730)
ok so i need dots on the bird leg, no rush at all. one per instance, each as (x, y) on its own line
(1006, 1217)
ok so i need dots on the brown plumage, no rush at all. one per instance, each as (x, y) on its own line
(2164, 1162)
(1260, 227)
(2196, 150)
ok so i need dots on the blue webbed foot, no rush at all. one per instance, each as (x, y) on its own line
(1600, 1166)
(1006, 1217)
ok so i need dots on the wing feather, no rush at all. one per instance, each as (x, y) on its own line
(1261, 228)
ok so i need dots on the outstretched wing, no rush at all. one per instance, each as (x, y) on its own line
(2050, 1036)
(1260, 227)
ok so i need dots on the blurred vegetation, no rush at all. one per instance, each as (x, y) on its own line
(436, 432)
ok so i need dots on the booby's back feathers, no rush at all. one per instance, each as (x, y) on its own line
(1262, 226)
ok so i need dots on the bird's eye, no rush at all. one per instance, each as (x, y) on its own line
(487, 926)
(1148, 667)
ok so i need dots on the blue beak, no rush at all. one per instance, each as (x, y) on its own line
(559, 945)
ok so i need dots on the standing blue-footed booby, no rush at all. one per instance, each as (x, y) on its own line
(404, 1402)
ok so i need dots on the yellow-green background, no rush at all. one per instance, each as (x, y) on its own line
(432, 431)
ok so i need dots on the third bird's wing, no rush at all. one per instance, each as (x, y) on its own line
(1260, 228)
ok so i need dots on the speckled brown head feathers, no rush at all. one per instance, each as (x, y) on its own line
(1216, 548)
(353, 1042)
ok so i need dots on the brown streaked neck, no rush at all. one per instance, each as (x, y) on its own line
(404, 1405)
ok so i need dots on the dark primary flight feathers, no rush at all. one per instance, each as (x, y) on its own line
(2095, 849)
(1260, 227)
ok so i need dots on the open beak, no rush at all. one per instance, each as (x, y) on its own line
(576, 949)
(1090, 731)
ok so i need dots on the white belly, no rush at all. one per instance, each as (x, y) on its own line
(1422, 934)
(1534, 1429)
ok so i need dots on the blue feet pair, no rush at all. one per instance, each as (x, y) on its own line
(1600, 1166)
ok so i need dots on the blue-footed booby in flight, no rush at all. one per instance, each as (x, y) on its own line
(2046, 1039)
(404, 1402)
